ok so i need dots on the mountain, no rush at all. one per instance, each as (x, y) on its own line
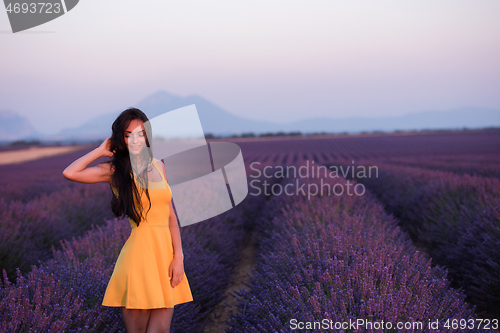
(217, 121)
(213, 118)
(453, 119)
(14, 127)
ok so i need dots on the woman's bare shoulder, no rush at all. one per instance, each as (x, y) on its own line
(160, 164)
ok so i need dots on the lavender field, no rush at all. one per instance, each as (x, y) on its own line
(340, 259)
(421, 244)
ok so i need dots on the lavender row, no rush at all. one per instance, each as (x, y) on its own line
(340, 258)
(38, 208)
(472, 164)
(28, 180)
(472, 152)
(61, 295)
(30, 229)
(455, 218)
(81, 269)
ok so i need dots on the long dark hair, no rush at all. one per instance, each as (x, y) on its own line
(128, 202)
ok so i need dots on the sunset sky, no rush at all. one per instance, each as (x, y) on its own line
(267, 60)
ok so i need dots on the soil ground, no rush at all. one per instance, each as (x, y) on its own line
(220, 314)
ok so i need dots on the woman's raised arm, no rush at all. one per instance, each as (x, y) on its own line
(78, 171)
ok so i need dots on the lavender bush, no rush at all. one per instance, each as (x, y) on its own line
(39, 303)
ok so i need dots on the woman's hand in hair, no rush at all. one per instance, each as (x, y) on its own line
(104, 148)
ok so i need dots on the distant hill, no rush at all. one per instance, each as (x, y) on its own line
(471, 118)
(218, 121)
(14, 127)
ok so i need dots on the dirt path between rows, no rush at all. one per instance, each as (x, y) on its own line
(34, 153)
(220, 314)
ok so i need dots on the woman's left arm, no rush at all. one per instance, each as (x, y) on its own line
(176, 270)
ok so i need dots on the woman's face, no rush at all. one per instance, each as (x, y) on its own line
(135, 136)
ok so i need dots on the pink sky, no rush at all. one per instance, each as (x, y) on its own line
(275, 60)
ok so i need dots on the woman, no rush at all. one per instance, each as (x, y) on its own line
(148, 278)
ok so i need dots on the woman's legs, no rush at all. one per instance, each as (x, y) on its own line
(160, 320)
(136, 320)
(147, 320)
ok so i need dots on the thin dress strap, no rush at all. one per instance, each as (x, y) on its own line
(159, 171)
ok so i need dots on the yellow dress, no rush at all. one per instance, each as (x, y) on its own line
(140, 277)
